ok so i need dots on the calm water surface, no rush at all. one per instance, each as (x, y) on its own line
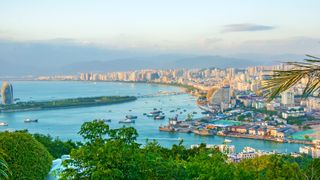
(65, 123)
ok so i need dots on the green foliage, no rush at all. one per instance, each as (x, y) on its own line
(4, 169)
(114, 154)
(56, 147)
(26, 157)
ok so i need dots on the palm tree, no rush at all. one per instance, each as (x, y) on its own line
(282, 80)
(4, 169)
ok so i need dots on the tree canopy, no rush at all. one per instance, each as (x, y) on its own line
(114, 154)
(26, 157)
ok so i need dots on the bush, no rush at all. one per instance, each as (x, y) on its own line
(26, 157)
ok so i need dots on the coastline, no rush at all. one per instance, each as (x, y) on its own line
(38, 106)
(187, 88)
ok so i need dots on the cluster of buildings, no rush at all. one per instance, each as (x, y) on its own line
(262, 131)
(313, 151)
(273, 130)
(224, 87)
(246, 153)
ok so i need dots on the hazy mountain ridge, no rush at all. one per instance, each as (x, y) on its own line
(60, 57)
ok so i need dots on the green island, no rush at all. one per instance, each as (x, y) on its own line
(66, 103)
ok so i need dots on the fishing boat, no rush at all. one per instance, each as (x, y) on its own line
(30, 120)
(127, 121)
(160, 117)
(3, 124)
(131, 117)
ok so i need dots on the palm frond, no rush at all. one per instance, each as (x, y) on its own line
(282, 80)
(4, 169)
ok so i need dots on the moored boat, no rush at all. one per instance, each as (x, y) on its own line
(154, 113)
(30, 120)
(131, 117)
(160, 117)
(3, 124)
(127, 121)
(106, 120)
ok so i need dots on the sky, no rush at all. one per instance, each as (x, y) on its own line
(196, 26)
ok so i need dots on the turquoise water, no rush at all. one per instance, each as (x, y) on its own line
(300, 135)
(65, 123)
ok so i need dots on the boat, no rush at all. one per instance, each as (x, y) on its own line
(106, 120)
(173, 118)
(127, 121)
(30, 120)
(166, 128)
(131, 117)
(154, 113)
(160, 117)
(3, 124)
(172, 111)
(227, 141)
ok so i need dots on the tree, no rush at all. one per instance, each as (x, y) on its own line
(282, 80)
(56, 147)
(26, 157)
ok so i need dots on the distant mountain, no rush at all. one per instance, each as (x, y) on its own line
(159, 63)
(65, 56)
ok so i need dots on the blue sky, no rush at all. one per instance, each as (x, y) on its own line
(202, 26)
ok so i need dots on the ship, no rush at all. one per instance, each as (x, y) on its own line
(160, 117)
(3, 124)
(154, 113)
(131, 117)
(30, 120)
(106, 120)
(166, 128)
(127, 121)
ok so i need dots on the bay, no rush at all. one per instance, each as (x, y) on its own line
(65, 123)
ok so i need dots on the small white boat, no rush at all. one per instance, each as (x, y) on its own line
(127, 121)
(3, 124)
(227, 141)
(30, 120)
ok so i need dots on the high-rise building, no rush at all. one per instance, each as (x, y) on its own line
(287, 98)
(221, 95)
(7, 93)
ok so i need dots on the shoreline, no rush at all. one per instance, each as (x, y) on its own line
(182, 86)
(38, 106)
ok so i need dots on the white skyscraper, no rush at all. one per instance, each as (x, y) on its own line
(287, 98)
